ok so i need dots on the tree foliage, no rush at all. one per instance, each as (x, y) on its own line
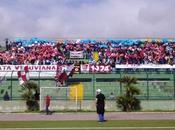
(128, 102)
(28, 94)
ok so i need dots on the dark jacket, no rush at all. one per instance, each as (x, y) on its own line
(100, 103)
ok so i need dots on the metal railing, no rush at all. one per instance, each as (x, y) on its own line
(153, 83)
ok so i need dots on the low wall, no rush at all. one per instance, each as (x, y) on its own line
(12, 106)
(88, 105)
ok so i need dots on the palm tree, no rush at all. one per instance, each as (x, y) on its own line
(28, 94)
(128, 101)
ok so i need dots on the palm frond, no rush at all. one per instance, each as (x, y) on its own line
(128, 80)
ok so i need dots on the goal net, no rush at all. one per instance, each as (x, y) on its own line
(62, 98)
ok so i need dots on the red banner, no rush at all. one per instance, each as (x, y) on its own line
(86, 68)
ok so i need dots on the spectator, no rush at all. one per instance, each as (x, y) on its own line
(111, 96)
(6, 96)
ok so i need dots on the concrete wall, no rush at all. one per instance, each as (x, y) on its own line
(12, 106)
(88, 105)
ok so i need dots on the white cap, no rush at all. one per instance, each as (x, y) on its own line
(98, 90)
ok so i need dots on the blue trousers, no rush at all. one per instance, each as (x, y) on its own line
(47, 110)
(101, 117)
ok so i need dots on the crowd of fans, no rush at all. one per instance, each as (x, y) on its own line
(109, 53)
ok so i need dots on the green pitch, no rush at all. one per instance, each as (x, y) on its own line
(89, 125)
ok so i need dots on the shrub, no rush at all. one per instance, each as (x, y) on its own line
(128, 102)
(28, 94)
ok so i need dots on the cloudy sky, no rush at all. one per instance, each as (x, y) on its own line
(87, 18)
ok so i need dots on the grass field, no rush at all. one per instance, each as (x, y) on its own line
(89, 125)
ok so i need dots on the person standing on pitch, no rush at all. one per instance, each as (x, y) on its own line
(47, 103)
(100, 105)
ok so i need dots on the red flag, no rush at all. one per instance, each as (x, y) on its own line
(24, 78)
(63, 75)
(23, 75)
(26, 70)
(21, 81)
(70, 70)
(19, 74)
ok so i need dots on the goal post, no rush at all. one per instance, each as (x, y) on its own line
(62, 98)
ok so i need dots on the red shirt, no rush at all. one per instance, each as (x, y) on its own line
(47, 100)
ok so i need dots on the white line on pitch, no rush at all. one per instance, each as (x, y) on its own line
(89, 128)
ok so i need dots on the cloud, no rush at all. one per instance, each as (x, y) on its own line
(87, 18)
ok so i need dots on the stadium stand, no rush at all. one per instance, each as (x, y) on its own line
(111, 52)
(155, 83)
